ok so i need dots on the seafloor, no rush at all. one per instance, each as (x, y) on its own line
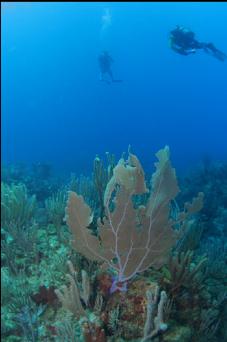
(71, 275)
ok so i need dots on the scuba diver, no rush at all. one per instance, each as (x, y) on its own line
(183, 41)
(105, 61)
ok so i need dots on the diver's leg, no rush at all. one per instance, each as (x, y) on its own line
(111, 75)
(102, 78)
(112, 79)
(211, 47)
(198, 45)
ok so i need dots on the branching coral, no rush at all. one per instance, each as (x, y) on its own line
(70, 296)
(154, 324)
(182, 273)
(101, 176)
(17, 208)
(19, 231)
(55, 207)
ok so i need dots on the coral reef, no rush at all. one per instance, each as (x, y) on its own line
(210, 178)
(130, 265)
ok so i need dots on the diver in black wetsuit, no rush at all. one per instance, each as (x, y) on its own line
(183, 42)
(105, 62)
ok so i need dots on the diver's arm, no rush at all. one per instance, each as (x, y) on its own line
(174, 47)
(182, 51)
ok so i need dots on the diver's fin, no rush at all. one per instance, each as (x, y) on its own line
(220, 55)
(211, 50)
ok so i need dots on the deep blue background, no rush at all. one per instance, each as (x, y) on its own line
(55, 109)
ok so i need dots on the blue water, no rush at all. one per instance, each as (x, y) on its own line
(55, 109)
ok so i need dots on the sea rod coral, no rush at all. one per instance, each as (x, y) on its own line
(132, 238)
